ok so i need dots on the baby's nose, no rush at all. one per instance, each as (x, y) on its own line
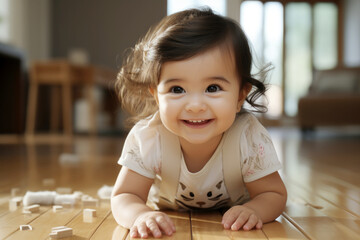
(195, 104)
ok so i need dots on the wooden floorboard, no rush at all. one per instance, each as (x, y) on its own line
(10, 222)
(109, 229)
(315, 224)
(43, 224)
(321, 174)
(281, 228)
(207, 226)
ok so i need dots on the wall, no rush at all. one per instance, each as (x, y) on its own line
(104, 29)
(30, 28)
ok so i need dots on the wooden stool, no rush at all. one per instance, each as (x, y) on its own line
(59, 74)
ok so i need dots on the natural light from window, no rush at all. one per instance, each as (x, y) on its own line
(263, 25)
(325, 35)
(4, 21)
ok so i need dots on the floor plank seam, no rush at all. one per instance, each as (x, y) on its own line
(103, 220)
(297, 226)
(191, 231)
(327, 200)
(28, 223)
(264, 233)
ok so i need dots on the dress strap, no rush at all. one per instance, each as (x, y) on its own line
(170, 167)
(232, 159)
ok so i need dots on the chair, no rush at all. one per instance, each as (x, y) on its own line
(60, 75)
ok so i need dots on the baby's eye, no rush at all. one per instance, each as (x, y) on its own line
(177, 89)
(213, 88)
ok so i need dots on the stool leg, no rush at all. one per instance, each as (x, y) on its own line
(67, 109)
(92, 108)
(31, 110)
(55, 103)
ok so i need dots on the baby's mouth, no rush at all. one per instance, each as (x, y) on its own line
(197, 122)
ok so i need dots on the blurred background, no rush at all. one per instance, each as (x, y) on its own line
(59, 59)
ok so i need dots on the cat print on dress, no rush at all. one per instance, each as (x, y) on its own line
(210, 199)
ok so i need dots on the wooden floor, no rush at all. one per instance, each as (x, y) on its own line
(322, 174)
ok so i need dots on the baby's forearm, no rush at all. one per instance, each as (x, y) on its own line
(268, 205)
(127, 207)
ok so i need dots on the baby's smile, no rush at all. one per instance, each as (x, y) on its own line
(197, 123)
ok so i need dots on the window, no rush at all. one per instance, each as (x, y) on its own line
(4, 21)
(296, 37)
(325, 35)
(263, 25)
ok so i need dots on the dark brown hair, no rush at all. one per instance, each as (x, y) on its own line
(178, 37)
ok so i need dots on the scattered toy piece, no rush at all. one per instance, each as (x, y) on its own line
(64, 190)
(78, 193)
(89, 214)
(41, 197)
(33, 208)
(50, 198)
(14, 203)
(48, 182)
(14, 192)
(61, 199)
(69, 159)
(25, 227)
(61, 232)
(57, 208)
(26, 211)
(104, 192)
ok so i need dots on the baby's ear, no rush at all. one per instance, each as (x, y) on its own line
(153, 92)
(244, 91)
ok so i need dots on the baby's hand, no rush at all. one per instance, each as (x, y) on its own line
(154, 222)
(241, 216)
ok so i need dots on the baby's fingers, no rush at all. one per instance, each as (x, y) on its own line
(252, 222)
(240, 221)
(139, 231)
(166, 224)
(154, 228)
(228, 220)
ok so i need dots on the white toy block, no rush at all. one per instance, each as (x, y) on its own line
(61, 232)
(48, 182)
(14, 204)
(25, 227)
(90, 202)
(14, 192)
(26, 211)
(78, 193)
(33, 208)
(69, 159)
(57, 208)
(89, 214)
(85, 197)
(64, 190)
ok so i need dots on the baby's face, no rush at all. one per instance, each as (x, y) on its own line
(199, 97)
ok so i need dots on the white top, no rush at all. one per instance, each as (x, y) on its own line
(204, 189)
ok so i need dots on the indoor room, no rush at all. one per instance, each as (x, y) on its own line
(86, 96)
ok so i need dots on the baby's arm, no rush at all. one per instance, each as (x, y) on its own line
(128, 204)
(268, 199)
